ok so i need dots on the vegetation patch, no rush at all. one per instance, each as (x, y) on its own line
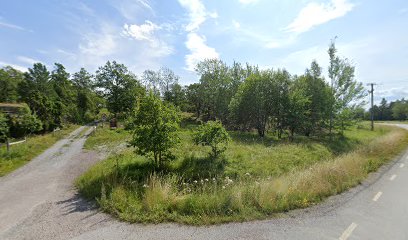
(21, 154)
(254, 179)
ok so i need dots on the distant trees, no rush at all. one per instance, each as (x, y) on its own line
(10, 78)
(119, 87)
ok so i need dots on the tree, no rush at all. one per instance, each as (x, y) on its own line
(212, 134)
(152, 81)
(83, 79)
(119, 87)
(38, 92)
(4, 128)
(9, 80)
(24, 123)
(319, 96)
(195, 98)
(298, 111)
(400, 110)
(347, 92)
(215, 87)
(168, 80)
(155, 129)
(262, 99)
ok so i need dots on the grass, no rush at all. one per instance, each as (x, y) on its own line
(256, 178)
(106, 138)
(21, 154)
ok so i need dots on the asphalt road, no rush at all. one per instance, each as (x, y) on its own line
(38, 202)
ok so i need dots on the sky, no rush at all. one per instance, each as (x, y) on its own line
(149, 34)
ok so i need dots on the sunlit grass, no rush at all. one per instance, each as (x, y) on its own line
(254, 179)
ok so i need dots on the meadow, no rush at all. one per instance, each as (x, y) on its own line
(254, 179)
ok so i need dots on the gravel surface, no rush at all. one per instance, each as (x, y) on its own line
(38, 201)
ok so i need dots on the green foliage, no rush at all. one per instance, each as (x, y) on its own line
(215, 82)
(400, 110)
(347, 92)
(23, 123)
(257, 177)
(4, 128)
(155, 129)
(119, 87)
(9, 81)
(212, 134)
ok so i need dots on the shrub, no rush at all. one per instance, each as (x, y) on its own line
(212, 134)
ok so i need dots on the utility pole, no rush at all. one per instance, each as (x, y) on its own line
(372, 104)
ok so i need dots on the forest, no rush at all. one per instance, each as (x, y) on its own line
(241, 96)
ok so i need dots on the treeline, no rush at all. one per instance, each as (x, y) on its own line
(242, 97)
(394, 110)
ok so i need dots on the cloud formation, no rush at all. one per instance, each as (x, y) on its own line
(199, 50)
(315, 14)
(141, 32)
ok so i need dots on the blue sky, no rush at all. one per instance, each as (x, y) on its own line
(148, 34)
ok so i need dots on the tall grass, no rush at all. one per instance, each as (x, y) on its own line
(133, 192)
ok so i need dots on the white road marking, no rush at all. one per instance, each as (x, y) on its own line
(402, 165)
(347, 233)
(377, 196)
(393, 177)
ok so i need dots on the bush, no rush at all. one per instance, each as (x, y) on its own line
(4, 128)
(212, 134)
(23, 123)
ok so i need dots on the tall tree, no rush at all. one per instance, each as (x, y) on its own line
(215, 83)
(152, 81)
(38, 92)
(9, 80)
(155, 129)
(119, 87)
(347, 92)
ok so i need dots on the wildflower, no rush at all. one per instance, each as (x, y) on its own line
(202, 181)
(206, 179)
(214, 179)
(223, 187)
(145, 185)
(195, 181)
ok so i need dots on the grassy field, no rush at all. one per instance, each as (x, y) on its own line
(254, 179)
(21, 154)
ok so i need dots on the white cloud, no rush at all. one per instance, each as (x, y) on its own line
(318, 13)
(141, 32)
(196, 11)
(27, 60)
(248, 1)
(12, 26)
(236, 24)
(132, 9)
(15, 66)
(199, 50)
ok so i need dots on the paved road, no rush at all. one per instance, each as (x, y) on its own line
(376, 209)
